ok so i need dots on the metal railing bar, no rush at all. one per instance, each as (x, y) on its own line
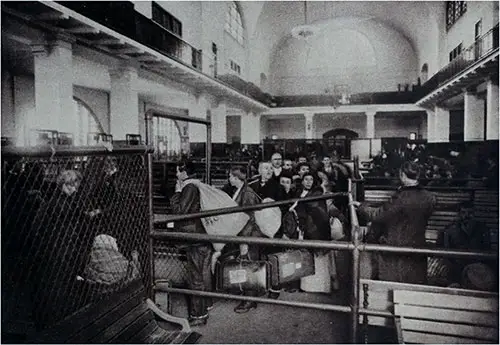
(58, 151)
(176, 218)
(312, 244)
(318, 306)
(426, 251)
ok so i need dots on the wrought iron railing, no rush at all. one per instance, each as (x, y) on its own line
(482, 47)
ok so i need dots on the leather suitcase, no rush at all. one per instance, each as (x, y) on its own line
(237, 275)
(291, 265)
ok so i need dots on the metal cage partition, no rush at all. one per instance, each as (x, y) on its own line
(67, 213)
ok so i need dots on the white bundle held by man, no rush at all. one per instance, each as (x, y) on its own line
(212, 198)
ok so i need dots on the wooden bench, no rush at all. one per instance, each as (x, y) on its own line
(440, 318)
(486, 211)
(378, 295)
(445, 214)
(126, 316)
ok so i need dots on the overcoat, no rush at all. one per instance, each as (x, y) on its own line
(401, 222)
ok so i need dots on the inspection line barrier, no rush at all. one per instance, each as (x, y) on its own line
(354, 245)
(227, 210)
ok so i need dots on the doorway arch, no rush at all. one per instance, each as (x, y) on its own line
(337, 142)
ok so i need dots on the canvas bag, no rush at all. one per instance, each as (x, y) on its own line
(212, 198)
(268, 219)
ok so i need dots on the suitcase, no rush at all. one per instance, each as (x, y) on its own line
(237, 275)
(291, 265)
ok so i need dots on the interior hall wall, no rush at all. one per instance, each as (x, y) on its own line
(365, 56)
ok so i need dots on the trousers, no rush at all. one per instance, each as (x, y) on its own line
(199, 278)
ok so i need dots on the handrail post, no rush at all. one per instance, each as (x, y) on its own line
(150, 284)
(208, 151)
(355, 286)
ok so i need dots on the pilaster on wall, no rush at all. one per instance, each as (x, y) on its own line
(124, 102)
(473, 117)
(370, 124)
(441, 125)
(310, 130)
(492, 110)
(430, 126)
(219, 114)
(250, 128)
(198, 109)
(53, 67)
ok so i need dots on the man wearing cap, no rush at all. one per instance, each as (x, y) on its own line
(401, 222)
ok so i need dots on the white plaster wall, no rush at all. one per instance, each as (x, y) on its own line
(326, 122)
(463, 29)
(97, 101)
(8, 116)
(365, 55)
(289, 128)
(233, 128)
(397, 126)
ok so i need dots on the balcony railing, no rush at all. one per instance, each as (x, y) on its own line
(482, 47)
(403, 97)
(121, 17)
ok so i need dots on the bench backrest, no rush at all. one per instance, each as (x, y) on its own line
(378, 295)
(118, 318)
(436, 318)
(485, 202)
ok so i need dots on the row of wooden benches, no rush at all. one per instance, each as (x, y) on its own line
(429, 314)
(485, 209)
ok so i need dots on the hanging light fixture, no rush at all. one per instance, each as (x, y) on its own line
(304, 32)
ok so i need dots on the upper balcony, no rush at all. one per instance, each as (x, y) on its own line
(122, 17)
(470, 68)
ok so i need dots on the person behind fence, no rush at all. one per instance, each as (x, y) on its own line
(187, 200)
(402, 222)
(244, 196)
(64, 240)
(108, 267)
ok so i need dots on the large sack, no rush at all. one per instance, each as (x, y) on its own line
(212, 198)
(268, 219)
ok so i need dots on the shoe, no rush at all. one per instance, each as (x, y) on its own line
(273, 294)
(244, 307)
(292, 290)
(210, 307)
(197, 321)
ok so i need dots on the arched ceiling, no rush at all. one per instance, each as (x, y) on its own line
(417, 21)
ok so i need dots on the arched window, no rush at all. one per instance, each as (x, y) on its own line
(424, 73)
(234, 23)
(166, 137)
(85, 123)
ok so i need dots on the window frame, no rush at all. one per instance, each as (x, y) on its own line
(454, 11)
(233, 23)
(167, 20)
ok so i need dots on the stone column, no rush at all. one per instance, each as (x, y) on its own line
(492, 110)
(310, 129)
(54, 107)
(473, 117)
(370, 124)
(441, 125)
(124, 102)
(219, 126)
(430, 126)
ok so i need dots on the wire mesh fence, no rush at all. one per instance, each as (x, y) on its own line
(75, 228)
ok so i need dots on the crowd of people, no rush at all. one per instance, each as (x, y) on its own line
(277, 180)
(444, 167)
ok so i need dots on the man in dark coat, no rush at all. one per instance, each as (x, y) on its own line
(401, 222)
(187, 200)
(244, 196)
(266, 186)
